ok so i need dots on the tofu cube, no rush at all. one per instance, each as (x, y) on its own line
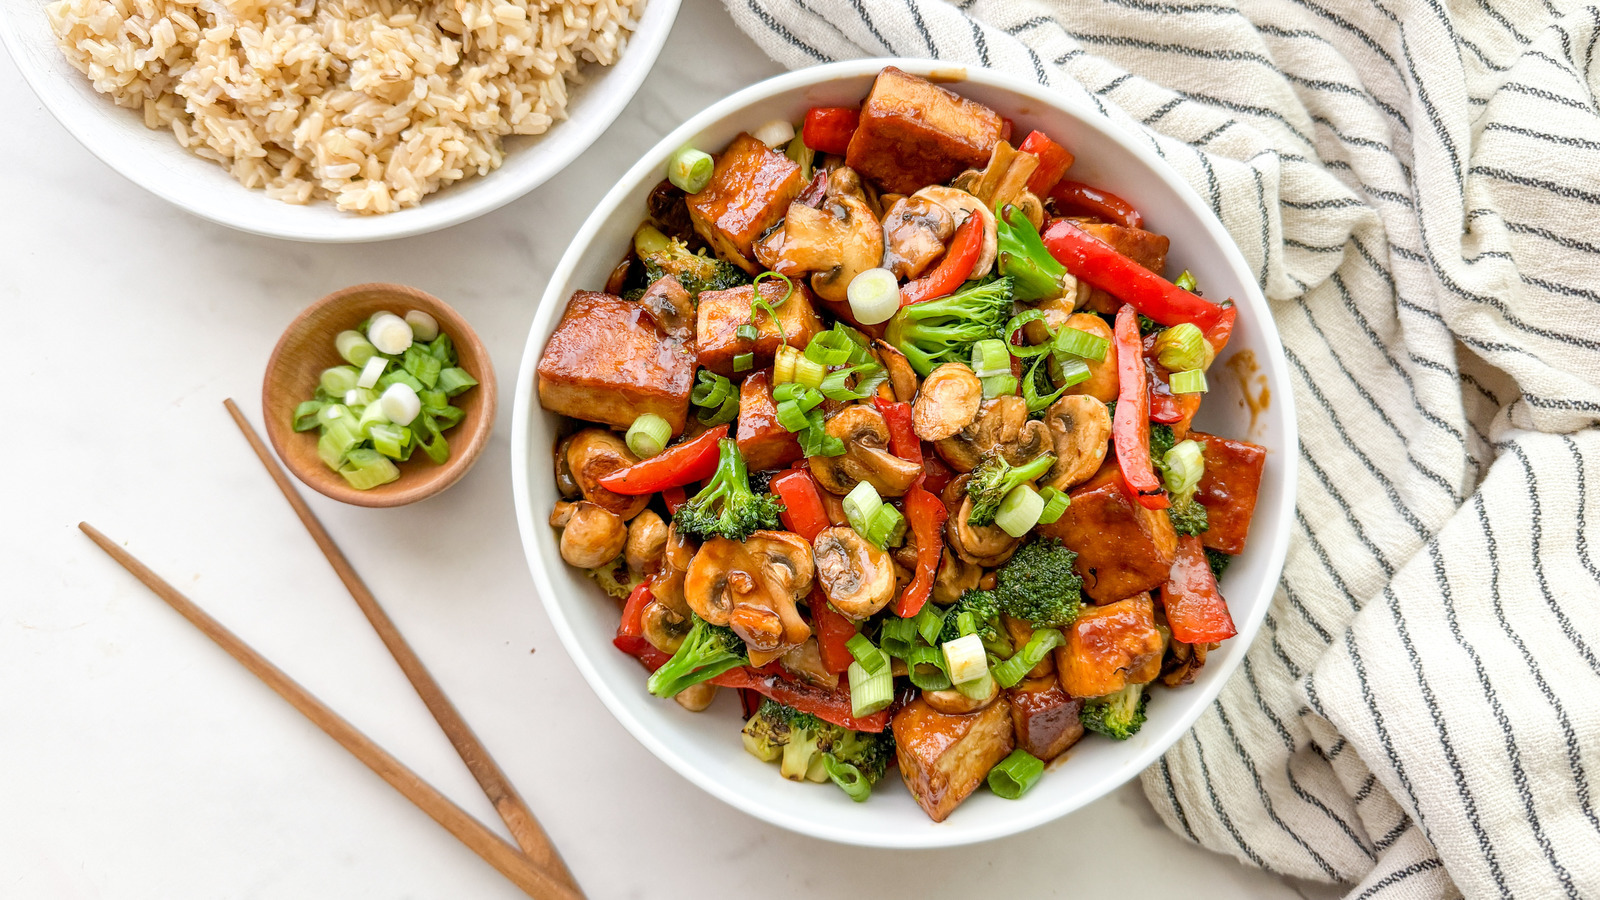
(1110, 647)
(607, 362)
(1122, 547)
(943, 758)
(722, 312)
(1228, 489)
(749, 192)
(1045, 717)
(914, 133)
(762, 441)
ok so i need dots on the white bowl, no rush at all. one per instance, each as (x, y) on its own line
(154, 161)
(705, 747)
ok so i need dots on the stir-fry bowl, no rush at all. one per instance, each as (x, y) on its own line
(1250, 398)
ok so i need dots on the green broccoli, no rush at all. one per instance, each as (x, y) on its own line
(1218, 561)
(707, 651)
(1188, 515)
(944, 330)
(616, 579)
(993, 478)
(697, 272)
(976, 612)
(1039, 584)
(857, 760)
(1118, 715)
(726, 506)
(809, 749)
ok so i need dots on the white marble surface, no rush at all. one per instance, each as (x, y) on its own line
(141, 762)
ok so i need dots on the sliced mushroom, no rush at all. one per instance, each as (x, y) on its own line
(836, 242)
(955, 703)
(915, 230)
(647, 542)
(857, 577)
(565, 483)
(1102, 383)
(696, 697)
(948, 402)
(1004, 182)
(752, 587)
(1002, 424)
(595, 453)
(961, 204)
(1080, 430)
(806, 662)
(956, 577)
(667, 585)
(664, 628)
(669, 305)
(592, 536)
(866, 456)
(986, 546)
(902, 378)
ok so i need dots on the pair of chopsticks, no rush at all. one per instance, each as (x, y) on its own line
(536, 868)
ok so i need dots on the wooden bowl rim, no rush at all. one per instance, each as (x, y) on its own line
(464, 452)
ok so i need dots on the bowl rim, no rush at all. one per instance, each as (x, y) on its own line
(644, 42)
(462, 457)
(1273, 362)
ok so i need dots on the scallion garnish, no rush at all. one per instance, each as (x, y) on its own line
(898, 637)
(1192, 381)
(353, 347)
(870, 691)
(1081, 344)
(1014, 775)
(690, 170)
(1023, 661)
(1055, 505)
(648, 435)
(990, 357)
(871, 658)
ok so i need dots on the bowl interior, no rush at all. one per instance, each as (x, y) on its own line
(307, 348)
(153, 160)
(706, 748)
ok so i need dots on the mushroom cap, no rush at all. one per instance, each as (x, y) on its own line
(1080, 431)
(565, 483)
(948, 402)
(752, 587)
(857, 577)
(662, 627)
(955, 703)
(1001, 424)
(667, 585)
(915, 230)
(902, 378)
(960, 205)
(956, 577)
(647, 542)
(594, 453)
(836, 242)
(981, 545)
(593, 536)
(669, 305)
(866, 456)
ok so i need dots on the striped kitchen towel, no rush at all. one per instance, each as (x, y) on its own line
(1417, 185)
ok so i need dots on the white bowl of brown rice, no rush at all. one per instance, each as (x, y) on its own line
(336, 120)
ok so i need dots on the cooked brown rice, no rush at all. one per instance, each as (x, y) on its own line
(370, 103)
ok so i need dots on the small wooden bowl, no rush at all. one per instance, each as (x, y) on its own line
(306, 348)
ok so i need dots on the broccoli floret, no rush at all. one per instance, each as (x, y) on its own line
(944, 330)
(616, 579)
(1039, 585)
(978, 611)
(994, 478)
(1188, 515)
(1161, 440)
(797, 740)
(1218, 561)
(697, 272)
(1117, 716)
(707, 651)
(857, 761)
(726, 506)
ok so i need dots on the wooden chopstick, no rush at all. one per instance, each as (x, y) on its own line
(513, 811)
(510, 862)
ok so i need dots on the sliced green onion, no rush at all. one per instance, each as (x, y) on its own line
(744, 362)
(389, 333)
(1014, 328)
(390, 439)
(801, 155)
(870, 691)
(339, 437)
(1183, 466)
(776, 133)
(808, 373)
(444, 350)
(898, 637)
(930, 622)
(791, 416)
(1023, 661)
(980, 688)
(648, 435)
(1191, 382)
(830, 348)
(353, 347)
(1081, 344)
(727, 412)
(846, 776)
(925, 668)
(868, 377)
(339, 379)
(332, 413)
(860, 505)
(816, 441)
(424, 327)
(1015, 775)
(869, 656)
(437, 449)
(874, 296)
(783, 365)
(648, 241)
(747, 332)
(990, 357)
(305, 415)
(1068, 371)
(356, 398)
(1019, 511)
(422, 366)
(964, 659)
(434, 401)
(1183, 346)
(1030, 388)
(806, 398)
(690, 170)
(710, 390)
(887, 528)
(401, 403)
(372, 372)
(1055, 505)
(372, 415)
(999, 386)
(399, 376)
(1185, 281)
(365, 469)
(449, 417)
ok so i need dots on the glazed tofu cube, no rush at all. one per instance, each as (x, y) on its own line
(914, 133)
(1045, 717)
(943, 758)
(607, 362)
(1143, 247)
(1122, 547)
(1228, 489)
(762, 441)
(1110, 647)
(749, 192)
(722, 312)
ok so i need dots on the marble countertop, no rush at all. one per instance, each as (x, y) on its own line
(142, 762)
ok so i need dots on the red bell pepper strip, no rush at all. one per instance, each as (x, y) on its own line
(903, 440)
(1196, 611)
(1007, 128)
(1130, 429)
(833, 631)
(1170, 409)
(1094, 261)
(925, 513)
(679, 464)
(827, 704)
(827, 129)
(674, 497)
(803, 512)
(1219, 333)
(936, 473)
(630, 630)
(1075, 196)
(960, 257)
(1054, 161)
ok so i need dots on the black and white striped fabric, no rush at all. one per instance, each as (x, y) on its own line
(1417, 183)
